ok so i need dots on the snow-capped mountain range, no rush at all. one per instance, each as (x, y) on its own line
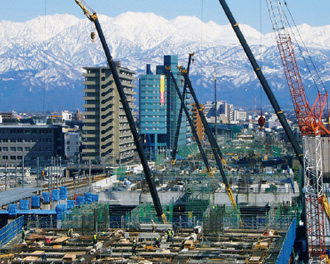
(41, 60)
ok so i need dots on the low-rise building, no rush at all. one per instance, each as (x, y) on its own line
(28, 142)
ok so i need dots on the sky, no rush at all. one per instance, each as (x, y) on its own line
(251, 12)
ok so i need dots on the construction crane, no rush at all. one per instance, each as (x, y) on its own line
(176, 138)
(311, 127)
(279, 112)
(148, 175)
(194, 132)
(220, 161)
(264, 83)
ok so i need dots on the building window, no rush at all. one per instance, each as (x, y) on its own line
(5, 148)
(12, 157)
(12, 148)
(19, 148)
(5, 157)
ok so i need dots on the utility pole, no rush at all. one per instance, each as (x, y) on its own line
(23, 172)
(61, 178)
(38, 171)
(6, 172)
(51, 173)
(215, 104)
(56, 171)
(89, 174)
(103, 164)
(16, 172)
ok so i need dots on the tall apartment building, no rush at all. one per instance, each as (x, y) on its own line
(160, 106)
(106, 132)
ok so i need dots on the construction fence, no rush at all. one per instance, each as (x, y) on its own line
(8, 232)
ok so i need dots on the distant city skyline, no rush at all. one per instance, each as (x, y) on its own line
(252, 12)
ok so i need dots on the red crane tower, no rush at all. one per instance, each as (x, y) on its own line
(311, 127)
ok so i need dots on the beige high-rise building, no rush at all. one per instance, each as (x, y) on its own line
(106, 133)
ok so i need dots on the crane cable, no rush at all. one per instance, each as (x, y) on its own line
(209, 62)
(301, 51)
(44, 64)
(261, 52)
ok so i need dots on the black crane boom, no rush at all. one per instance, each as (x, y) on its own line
(215, 148)
(136, 136)
(191, 123)
(264, 83)
(176, 139)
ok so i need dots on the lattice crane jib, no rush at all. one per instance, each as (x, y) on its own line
(311, 126)
(309, 117)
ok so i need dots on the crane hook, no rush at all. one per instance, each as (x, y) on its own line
(261, 121)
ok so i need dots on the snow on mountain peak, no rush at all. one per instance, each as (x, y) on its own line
(54, 48)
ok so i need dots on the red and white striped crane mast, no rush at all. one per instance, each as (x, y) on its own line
(311, 127)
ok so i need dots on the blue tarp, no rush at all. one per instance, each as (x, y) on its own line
(71, 204)
(12, 209)
(95, 197)
(35, 201)
(80, 200)
(55, 195)
(36, 212)
(32, 211)
(60, 209)
(46, 197)
(88, 198)
(63, 193)
(24, 204)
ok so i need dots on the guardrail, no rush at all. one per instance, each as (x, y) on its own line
(8, 232)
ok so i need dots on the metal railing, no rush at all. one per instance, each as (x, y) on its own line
(8, 232)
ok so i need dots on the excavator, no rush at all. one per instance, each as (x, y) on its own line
(92, 16)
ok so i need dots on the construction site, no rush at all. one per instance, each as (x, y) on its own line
(201, 233)
(250, 201)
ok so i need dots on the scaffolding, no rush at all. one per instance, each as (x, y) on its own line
(89, 218)
(160, 160)
(121, 173)
(217, 218)
(186, 151)
(40, 221)
(146, 212)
